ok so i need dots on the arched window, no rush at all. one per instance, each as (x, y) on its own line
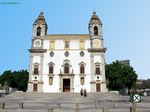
(95, 30)
(38, 31)
(36, 69)
(66, 68)
(51, 69)
(82, 69)
(97, 69)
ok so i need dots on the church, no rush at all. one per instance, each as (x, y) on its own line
(67, 62)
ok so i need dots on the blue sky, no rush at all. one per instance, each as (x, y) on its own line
(126, 28)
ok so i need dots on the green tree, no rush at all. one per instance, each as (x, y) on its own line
(4, 77)
(16, 79)
(120, 76)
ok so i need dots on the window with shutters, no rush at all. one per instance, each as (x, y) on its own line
(36, 69)
(82, 69)
(97, 69)
(66, 44)
(66, 68)
(51, 69)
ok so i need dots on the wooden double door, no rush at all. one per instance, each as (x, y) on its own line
(98, 87)
(35, 87)
(66, 85)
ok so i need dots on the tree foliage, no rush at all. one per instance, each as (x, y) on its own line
(120, 76)
(16, 79)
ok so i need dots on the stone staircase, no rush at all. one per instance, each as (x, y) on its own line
(41, 102)
(65, 96)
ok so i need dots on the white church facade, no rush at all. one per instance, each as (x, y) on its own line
(67, 62)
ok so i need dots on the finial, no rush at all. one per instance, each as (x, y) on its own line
(94, 12)
(41, 13)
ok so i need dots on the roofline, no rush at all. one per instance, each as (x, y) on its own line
(68, 35)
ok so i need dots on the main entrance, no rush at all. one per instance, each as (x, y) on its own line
(66, 85)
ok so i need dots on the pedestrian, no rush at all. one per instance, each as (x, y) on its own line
(85, 93)
(81, 92)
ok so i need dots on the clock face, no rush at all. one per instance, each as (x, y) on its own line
(96, 42)
(37, 43)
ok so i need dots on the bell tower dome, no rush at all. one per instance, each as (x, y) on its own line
(95, 25)
(40, 26)
(95, 31)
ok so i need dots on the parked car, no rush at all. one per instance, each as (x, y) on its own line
(142, 92)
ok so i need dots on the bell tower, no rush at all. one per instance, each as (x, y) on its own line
(37, 51)
(97, 55)
(95, 31)
(40, 26)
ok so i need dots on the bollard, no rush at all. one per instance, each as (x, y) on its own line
(134, 104)
(21, 105)
(133, 109)
(77, 107)
(2, 105)
(50, 109)
(58, 107)
(114, 105)
(105, 109)
(96, 105)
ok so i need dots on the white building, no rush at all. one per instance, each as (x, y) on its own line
(67, 62)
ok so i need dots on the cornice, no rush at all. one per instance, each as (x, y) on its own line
(97, 50)
(37, 50)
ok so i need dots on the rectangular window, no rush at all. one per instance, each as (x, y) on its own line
(82, 44)
(82, 70)
(82, 80)
(66, 69)
(66, 45)
(51, 70)
(52, 44)
(97, 70)
(50, 80)
(36, 71)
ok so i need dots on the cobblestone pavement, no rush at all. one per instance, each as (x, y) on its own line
(70, 102)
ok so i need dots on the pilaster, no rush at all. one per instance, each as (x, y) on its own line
(92, 74)
(103, 82)
(41, 73)
(30, 68)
